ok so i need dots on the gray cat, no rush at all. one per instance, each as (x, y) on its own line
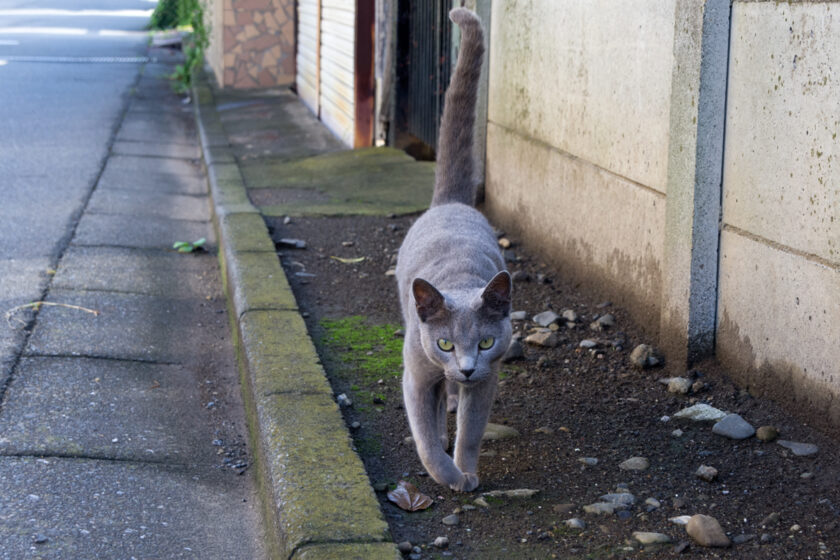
(454, 291)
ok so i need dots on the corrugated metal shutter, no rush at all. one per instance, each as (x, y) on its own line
(335, 66)
(337, 81)
(308, 54)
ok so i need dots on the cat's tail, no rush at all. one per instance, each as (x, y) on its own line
(454, 174)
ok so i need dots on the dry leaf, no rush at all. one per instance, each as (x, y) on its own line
(408, 497)
(348, 261)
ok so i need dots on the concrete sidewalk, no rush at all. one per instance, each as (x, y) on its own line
(267, 155)
(121, 425)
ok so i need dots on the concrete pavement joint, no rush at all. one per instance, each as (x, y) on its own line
(103, 458)
(101, 213)
(95, 357)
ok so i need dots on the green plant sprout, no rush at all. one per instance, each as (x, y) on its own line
(187, 247)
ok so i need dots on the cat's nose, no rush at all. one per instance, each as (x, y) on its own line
(467, 372)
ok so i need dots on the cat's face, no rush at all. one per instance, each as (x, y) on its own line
(466, 332)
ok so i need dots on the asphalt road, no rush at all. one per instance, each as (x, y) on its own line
(66, 68)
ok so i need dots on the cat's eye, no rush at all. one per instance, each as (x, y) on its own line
(445, 345)
(486, 343)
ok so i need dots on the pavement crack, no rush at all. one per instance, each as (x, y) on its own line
(94, 457)
(95, 357)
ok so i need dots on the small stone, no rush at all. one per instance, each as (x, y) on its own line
(589, 461)
(391, 272)
(795, 528)
(467, 507)
(441, 542)
(646, 537)
(547, 339)
(504, 243)
(653, 503)
(408, 440)
(518, 315)
(287, 220)
(514, 352)
(677, 433)
(495, 432)
(621, 500)
(681, 546)
(569, 315)
(733, 427)
(544, 430)
(481, 502)
(766, 433)
(40, 538)
(771, 520)
(575, 523)
(450, 520)
(765, 538)
(600, 508)
(680, 520)
(399, 333)
(624, 514)
(679, 385)
(587, 343)
(415, 555)
(741, 539)
(545, 318)
(700, 413)
(404, 547)
(806, 476)
(355, 426)
(698, 386)
(799, 449)
(516, 493)
(380, 486)
(563, 508)
(707, 473)
(287, 242)
(645, 356)
(706, 531)
(606, 321)
(635, 464)
(344, 400)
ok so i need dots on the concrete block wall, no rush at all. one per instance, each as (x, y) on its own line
(680, 157)
(252, 42)
(779, 293)
(577, 138)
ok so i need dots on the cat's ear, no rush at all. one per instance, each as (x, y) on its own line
(496, 295)
(429, 301)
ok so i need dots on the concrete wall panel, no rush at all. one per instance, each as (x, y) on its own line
(589, 77)
(779, 323)
(603, 229)
(781, 169)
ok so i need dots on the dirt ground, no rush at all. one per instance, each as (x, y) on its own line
(567, 403)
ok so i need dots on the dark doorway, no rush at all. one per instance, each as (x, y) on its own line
(424, 45)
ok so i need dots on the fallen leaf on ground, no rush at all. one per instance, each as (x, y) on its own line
(348, 261)
(408, 497)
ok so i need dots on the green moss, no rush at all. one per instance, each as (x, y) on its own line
(370, 352)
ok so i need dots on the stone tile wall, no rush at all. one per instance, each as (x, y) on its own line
(252, 42)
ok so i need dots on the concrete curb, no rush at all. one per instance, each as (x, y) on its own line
(316, 497)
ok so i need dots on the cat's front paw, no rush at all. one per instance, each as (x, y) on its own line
(468, 483)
